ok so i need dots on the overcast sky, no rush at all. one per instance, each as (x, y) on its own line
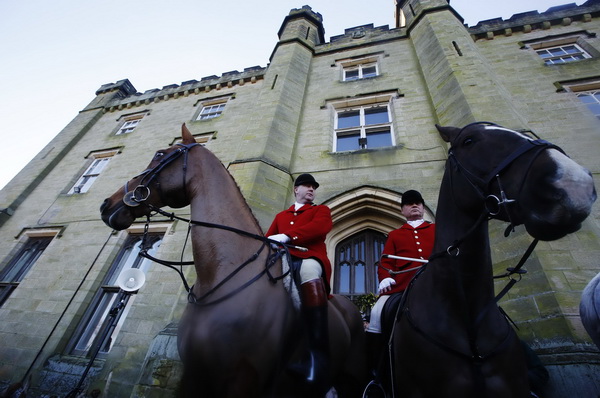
(56, 54)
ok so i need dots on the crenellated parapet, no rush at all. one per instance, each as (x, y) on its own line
(526, 22)
(128, 97)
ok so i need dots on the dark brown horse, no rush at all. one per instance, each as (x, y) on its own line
(451, 340)
(241, 330)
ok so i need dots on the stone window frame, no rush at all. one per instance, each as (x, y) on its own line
(94, 322)
(576, 40)
(211, 108)
(201, 138)
(359, 65)
(97, 163)
(129, 122)
(585, 88)
(362, 104)
(31, 246)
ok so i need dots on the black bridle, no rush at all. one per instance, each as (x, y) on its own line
(493, 206)
(141, 193)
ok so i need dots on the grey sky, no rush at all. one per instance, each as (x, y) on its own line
(57, 54)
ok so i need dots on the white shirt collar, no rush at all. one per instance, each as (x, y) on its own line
(415, 223)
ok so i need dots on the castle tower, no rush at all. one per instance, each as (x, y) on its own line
(461, 84)
(266, 149)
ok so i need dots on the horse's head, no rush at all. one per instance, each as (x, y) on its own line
(163, 183)
(518, 179)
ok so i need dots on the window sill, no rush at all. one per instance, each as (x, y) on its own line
(367, 150)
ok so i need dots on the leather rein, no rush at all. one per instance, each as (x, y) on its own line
(141, 193)
(493, 205)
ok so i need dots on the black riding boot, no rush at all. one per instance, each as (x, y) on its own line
(375, 353)
(316, 369)
(376, 356)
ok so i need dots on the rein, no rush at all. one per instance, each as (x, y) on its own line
(493, 205)
(141, 193)
(271, 260)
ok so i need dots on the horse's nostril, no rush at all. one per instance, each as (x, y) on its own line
(103, 205)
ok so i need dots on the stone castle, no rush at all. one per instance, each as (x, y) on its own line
(357, 112)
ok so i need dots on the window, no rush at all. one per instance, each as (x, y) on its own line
(359, 68)
(21, 263)
(129, 122)
(587, 91)
(363, 127)
(562, 54)
(96, 319)
(128, 126)
(592, 100)
(360, 71)
(356, 260)
(211, 108)
(561, 49)
(202, 138)
(99, 162)
(211, 111)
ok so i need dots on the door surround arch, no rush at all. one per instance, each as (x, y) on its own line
(362, 208)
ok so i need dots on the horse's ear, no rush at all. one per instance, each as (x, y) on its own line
(186, 136)
(447, 133)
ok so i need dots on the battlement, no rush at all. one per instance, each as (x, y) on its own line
(131, 98)
(530, 21)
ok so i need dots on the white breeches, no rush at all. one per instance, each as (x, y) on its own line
(310, 269)
(375, 320)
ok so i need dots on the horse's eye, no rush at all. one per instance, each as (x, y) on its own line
(467, 141)
(158, 155)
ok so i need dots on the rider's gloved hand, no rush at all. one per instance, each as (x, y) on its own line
(386, 285)
(283, 238)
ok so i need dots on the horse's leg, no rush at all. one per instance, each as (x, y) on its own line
(351, 377)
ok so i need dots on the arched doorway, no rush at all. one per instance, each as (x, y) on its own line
(362, 218)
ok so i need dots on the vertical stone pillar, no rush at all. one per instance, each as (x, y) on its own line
(462, 85)
(262, 165)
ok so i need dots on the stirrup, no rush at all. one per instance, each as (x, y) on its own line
(374, 390)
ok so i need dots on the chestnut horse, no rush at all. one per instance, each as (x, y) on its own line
(450, 338)
(240, 329)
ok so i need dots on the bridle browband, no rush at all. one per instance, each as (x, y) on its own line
(141, 193)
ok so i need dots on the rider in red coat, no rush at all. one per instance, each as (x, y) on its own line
(412, 240)
(306, 225)
(406, 241)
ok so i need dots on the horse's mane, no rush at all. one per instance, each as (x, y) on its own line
(236, 186)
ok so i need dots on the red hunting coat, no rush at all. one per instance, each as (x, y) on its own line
(406, 241)
(307, 227)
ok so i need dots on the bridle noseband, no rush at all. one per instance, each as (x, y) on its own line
(495, 204)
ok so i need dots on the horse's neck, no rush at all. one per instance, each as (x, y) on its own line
(471, 268)
(215, 198)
